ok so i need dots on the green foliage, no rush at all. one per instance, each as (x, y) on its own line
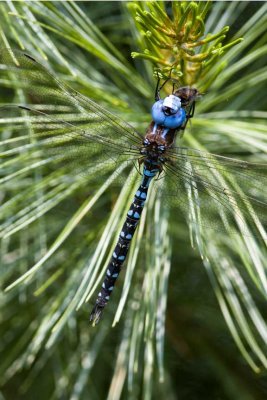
(179, 44)
(58, 228)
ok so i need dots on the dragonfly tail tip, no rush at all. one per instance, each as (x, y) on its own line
(96, 314)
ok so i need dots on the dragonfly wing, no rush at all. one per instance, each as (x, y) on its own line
(62, 120)
(218, 192)
(58, 144)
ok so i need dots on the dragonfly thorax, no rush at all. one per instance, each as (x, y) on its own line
(158, 137)
(153, 151)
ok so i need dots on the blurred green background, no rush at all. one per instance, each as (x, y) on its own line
(48, 349)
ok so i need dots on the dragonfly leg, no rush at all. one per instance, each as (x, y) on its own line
(157, 90)
(158, 87)
(191, 110)
(189, 115)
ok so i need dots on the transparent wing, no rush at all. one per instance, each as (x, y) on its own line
(65, 123)
(216, 191)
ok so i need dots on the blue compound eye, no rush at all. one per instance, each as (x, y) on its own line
(168, 112)
(157, 113)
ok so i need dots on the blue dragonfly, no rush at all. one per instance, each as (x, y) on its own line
(68, 128)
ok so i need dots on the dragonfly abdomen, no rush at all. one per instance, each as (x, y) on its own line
(121, 249)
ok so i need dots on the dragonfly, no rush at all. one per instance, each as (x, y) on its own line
(213, 191)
